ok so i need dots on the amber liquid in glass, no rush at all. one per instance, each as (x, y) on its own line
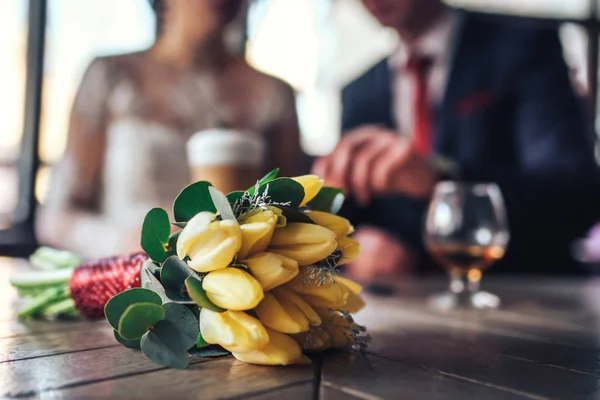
(463, 258)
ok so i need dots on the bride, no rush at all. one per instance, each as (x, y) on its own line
(134, 114)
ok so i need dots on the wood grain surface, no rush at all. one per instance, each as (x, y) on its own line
(544, 343)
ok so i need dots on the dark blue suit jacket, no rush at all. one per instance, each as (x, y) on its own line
(509, 115)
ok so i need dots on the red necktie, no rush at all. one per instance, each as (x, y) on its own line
(418, 67)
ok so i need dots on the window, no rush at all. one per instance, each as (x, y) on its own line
(13, 34)
(76, 32)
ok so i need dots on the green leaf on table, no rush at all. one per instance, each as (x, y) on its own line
(328, 199)
(284, 191)
(130, 344)
(36, 305)
(155, 234)
(198, 294)
(265, 179)
(294, 215)
(165, 346)
(185, 321)
(149, 281)
(138, 318)
(208, 351)
(193, 199)
(116, 305)
(221, 203)
(173, 274)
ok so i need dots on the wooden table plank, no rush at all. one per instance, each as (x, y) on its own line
(41, 345)
(375, 377)
(217, 379)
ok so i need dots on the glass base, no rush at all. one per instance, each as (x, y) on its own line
(479, 300)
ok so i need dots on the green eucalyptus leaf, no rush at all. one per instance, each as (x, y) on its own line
(173, 241)
(179, 224)
(294, 215)
(221, 203)
(265, 179)
(196, 312)
(192, 200)
(155, 234)
(284, 191)
(185, 321)
(116, 306)
(138, 319)
(328, 199)
(173, 274)
(130, 344)
(165, 346)
(233, 197)
(198, 294)
(208, 351)
(149, 281)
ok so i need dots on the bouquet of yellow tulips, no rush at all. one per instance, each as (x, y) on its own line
(253, 273)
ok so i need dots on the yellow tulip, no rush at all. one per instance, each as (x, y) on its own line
(305, 243)
(286, 312)
(210, 244)
(271, 269)
(328, 294)
(338, 225)
(338, 327)
(316, 339)
(350, 284)
(233, 289)
(312, 184)
(234, 330)
(257, 230)
(350, 250)
(281, 350)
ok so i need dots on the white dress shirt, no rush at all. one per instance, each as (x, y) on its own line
(436, 44)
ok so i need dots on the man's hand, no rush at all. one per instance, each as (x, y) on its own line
(381, 256)
(374, 161)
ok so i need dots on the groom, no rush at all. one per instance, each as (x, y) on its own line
(470, 97)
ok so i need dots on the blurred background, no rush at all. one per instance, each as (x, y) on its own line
(317, 46)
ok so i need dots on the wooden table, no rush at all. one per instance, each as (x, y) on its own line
(544, 343)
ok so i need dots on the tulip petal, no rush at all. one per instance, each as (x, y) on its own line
(193, 228)
(271, 269)
(312, 184)
(307, 310)
(281, 316)
(350, 284)
(338, 225)
(233, 289)
(257, 230)
(233, 330)
(350, 250)
(281, 350)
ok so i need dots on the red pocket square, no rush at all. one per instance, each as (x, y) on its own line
(473, 102)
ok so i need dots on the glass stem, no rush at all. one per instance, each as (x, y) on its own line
(457, 285)
(474, 280)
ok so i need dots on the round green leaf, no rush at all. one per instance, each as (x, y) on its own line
(165, 346)
(173, 274)
(185, 321)
(155, 234)
(116, 306)
(265, 179)
(149, 281)
(284, 191)
(328, 199)
(198, 294)
(139, 318)
(130, 344)
(208, 351)
(193, 199)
